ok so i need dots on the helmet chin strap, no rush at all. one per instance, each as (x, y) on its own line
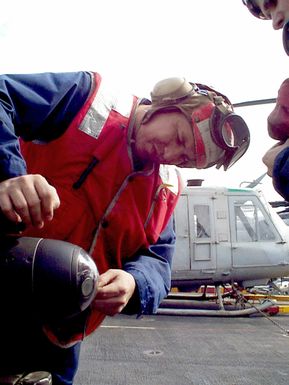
(286, 37)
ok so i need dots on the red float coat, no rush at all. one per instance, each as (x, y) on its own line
(114, 210)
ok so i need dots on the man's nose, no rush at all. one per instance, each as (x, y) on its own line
(278, 20)
(172, 153)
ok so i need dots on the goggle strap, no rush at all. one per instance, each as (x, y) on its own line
(201, 87)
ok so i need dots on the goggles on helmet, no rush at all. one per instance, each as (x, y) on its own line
(228, 131)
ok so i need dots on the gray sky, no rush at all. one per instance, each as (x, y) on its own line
(136, 43)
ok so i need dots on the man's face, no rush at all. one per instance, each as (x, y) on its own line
(275, 10)
(166, 138)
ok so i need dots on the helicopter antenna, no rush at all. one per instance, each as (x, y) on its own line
(254, 102)
(255, 182)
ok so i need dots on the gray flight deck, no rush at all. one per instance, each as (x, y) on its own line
(186, 350)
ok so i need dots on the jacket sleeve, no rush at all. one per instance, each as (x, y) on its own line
(151, 269)
(36, 107)
(281, 174)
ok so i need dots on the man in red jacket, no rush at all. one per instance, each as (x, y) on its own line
(94, 170)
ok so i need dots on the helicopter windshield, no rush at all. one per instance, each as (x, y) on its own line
(250, 223)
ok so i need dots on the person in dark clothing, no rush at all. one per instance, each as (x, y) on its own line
(277, 158)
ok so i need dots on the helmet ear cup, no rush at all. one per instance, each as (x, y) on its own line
(51, 278)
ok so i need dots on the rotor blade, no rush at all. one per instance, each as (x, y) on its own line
(255, 102)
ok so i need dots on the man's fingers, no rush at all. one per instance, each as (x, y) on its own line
(109, 290)
(107, 277)
(115, 283)
(20, 205)
(7, 209)
(29, 197)
(109, 307)
(113, 296)
(48, 198)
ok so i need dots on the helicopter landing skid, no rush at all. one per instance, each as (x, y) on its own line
(232, 304)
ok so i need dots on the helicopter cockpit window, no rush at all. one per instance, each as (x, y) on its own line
(250, 223)
(202, 221)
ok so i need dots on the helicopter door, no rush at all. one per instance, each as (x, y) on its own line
(182, 256)
(203, 247)
(254, 236)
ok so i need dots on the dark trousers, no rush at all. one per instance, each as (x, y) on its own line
(25, 348)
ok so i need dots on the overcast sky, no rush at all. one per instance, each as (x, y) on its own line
(136, 43)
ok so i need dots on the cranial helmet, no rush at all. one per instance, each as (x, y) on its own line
(221, 137)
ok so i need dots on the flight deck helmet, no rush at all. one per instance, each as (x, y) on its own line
(221, 137)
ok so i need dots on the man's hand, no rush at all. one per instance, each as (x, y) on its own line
(115, 288)
(270, 156)
(28, 198)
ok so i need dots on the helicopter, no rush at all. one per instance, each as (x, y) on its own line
(226, 238)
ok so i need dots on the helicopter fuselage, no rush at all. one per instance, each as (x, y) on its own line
(228, 235)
